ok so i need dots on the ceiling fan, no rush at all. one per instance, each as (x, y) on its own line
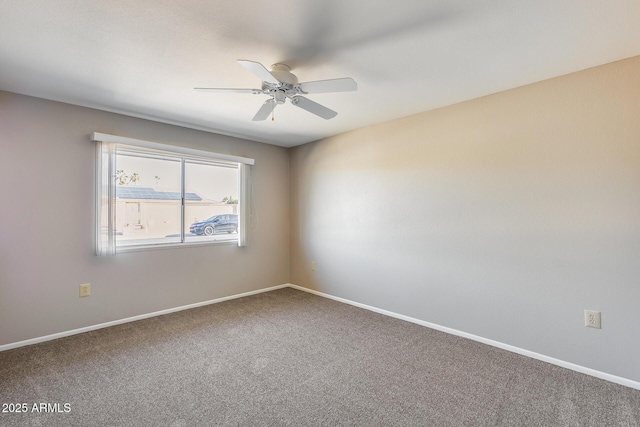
(280, 84)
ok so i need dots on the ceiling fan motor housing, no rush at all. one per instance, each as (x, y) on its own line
(281, 90)
(282, 72)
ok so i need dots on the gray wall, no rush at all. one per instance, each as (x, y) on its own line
(46, 225)
(503, 217)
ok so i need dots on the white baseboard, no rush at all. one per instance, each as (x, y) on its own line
(588, 371)
(132, 319)
(583, 370)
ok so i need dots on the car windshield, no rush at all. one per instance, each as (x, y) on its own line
(214, 218)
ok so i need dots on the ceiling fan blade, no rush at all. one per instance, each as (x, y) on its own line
(226, 90)
(259, 71)
(313, 107)
(265, 110)
(344, 84)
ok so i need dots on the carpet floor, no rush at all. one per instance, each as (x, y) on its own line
(289, 358)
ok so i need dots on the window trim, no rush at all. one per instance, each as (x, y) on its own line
(105, 243)
(104, 137)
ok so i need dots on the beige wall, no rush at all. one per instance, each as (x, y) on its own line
(503, 217)
(47, 221)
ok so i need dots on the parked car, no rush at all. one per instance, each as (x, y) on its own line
(216, 224)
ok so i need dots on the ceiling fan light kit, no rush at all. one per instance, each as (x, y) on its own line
(279, 83)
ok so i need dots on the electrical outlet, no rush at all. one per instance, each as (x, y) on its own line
(85, 289)
(313, 266)
(592, 319)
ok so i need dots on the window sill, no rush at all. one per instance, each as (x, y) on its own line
(144, 248)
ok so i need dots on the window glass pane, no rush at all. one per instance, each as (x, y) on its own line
(211, 201)
(148, 200)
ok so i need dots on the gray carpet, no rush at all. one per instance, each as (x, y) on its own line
(289, 358)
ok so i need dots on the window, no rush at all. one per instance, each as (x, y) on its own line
(154, 195)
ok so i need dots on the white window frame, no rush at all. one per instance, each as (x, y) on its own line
(106, 147)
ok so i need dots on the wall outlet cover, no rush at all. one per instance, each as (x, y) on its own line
(593, 319)
(85, 289)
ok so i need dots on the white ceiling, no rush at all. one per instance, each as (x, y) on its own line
(143, 58)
